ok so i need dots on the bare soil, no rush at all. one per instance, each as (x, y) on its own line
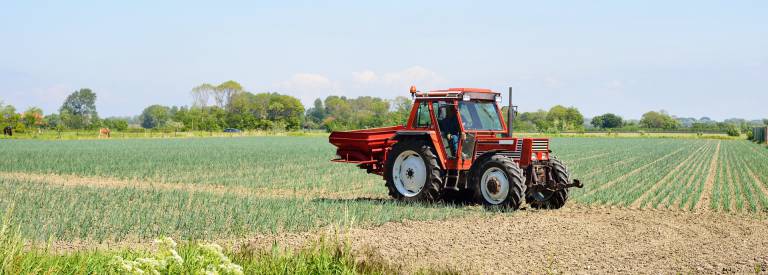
(703, 203)
(576, 239)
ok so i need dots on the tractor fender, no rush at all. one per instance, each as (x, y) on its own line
(428, 136)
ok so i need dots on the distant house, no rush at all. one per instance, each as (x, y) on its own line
(760, 134)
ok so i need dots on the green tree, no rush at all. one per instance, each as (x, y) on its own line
(79, 109)
(400, 109)
(116, 124)
(201, 95)
(532, 121)
(226, 91)
(316, 114)
(607, 121)
(154, 116)
(7, 112)
(53, 121)
(338, 113)
(658, 120)
(33, 117)
(565, 119)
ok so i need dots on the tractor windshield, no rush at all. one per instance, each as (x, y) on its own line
(479, 116)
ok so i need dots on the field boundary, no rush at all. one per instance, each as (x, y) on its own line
(706, 193)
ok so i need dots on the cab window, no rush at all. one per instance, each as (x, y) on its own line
(423, 120)
(480, 116)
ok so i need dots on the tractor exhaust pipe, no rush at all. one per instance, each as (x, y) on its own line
(510, 114)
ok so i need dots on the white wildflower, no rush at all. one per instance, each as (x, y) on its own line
(231, 268)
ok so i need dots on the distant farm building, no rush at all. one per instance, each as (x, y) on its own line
(760, 134)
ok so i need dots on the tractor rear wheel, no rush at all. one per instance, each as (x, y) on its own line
(498, 183)
(549, 199)
(412, 172)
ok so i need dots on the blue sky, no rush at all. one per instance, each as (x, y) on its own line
(691, 58)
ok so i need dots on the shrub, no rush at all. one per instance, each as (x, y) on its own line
(733, 131)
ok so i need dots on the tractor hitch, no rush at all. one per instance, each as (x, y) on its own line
(575, 183)
(552, 186)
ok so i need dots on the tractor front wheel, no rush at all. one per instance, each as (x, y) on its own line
(412, 172)
(498, 183)
(549, 199)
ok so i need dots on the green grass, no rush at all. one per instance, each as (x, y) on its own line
(86, 213)
(325, 256)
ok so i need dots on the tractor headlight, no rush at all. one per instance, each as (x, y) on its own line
(498, 98)
(466, 97)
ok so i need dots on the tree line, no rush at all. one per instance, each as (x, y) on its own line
(228, 105)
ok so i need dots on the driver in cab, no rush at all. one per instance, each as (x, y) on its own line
(449, 126)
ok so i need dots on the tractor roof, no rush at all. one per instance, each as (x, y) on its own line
(474, 93)
(470, 90)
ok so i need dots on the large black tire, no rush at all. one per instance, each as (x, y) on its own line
(514, 176)
(552, 199)
(433, 182)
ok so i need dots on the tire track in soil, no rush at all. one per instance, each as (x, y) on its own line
(639, 201)
(72, 181)
(702, 204)
(622, 177)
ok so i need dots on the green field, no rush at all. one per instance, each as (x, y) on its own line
(228, 188)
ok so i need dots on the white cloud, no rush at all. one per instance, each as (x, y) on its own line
(615, 85)
(415, 75)
(307, 87)
(365, 76)
(305, 81)
(552, 82)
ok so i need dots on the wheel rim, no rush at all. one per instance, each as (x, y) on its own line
(409, 173)
(494, 185)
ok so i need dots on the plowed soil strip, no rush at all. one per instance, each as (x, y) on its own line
(703, 202)
(638, 202)
(571, 240)
(102, 182)
(637, 170)
(576, 239)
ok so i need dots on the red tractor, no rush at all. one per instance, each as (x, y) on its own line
(456, 142)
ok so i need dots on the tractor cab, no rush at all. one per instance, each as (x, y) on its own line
(457, 117)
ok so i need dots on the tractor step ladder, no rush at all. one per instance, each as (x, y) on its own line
(448, 178)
